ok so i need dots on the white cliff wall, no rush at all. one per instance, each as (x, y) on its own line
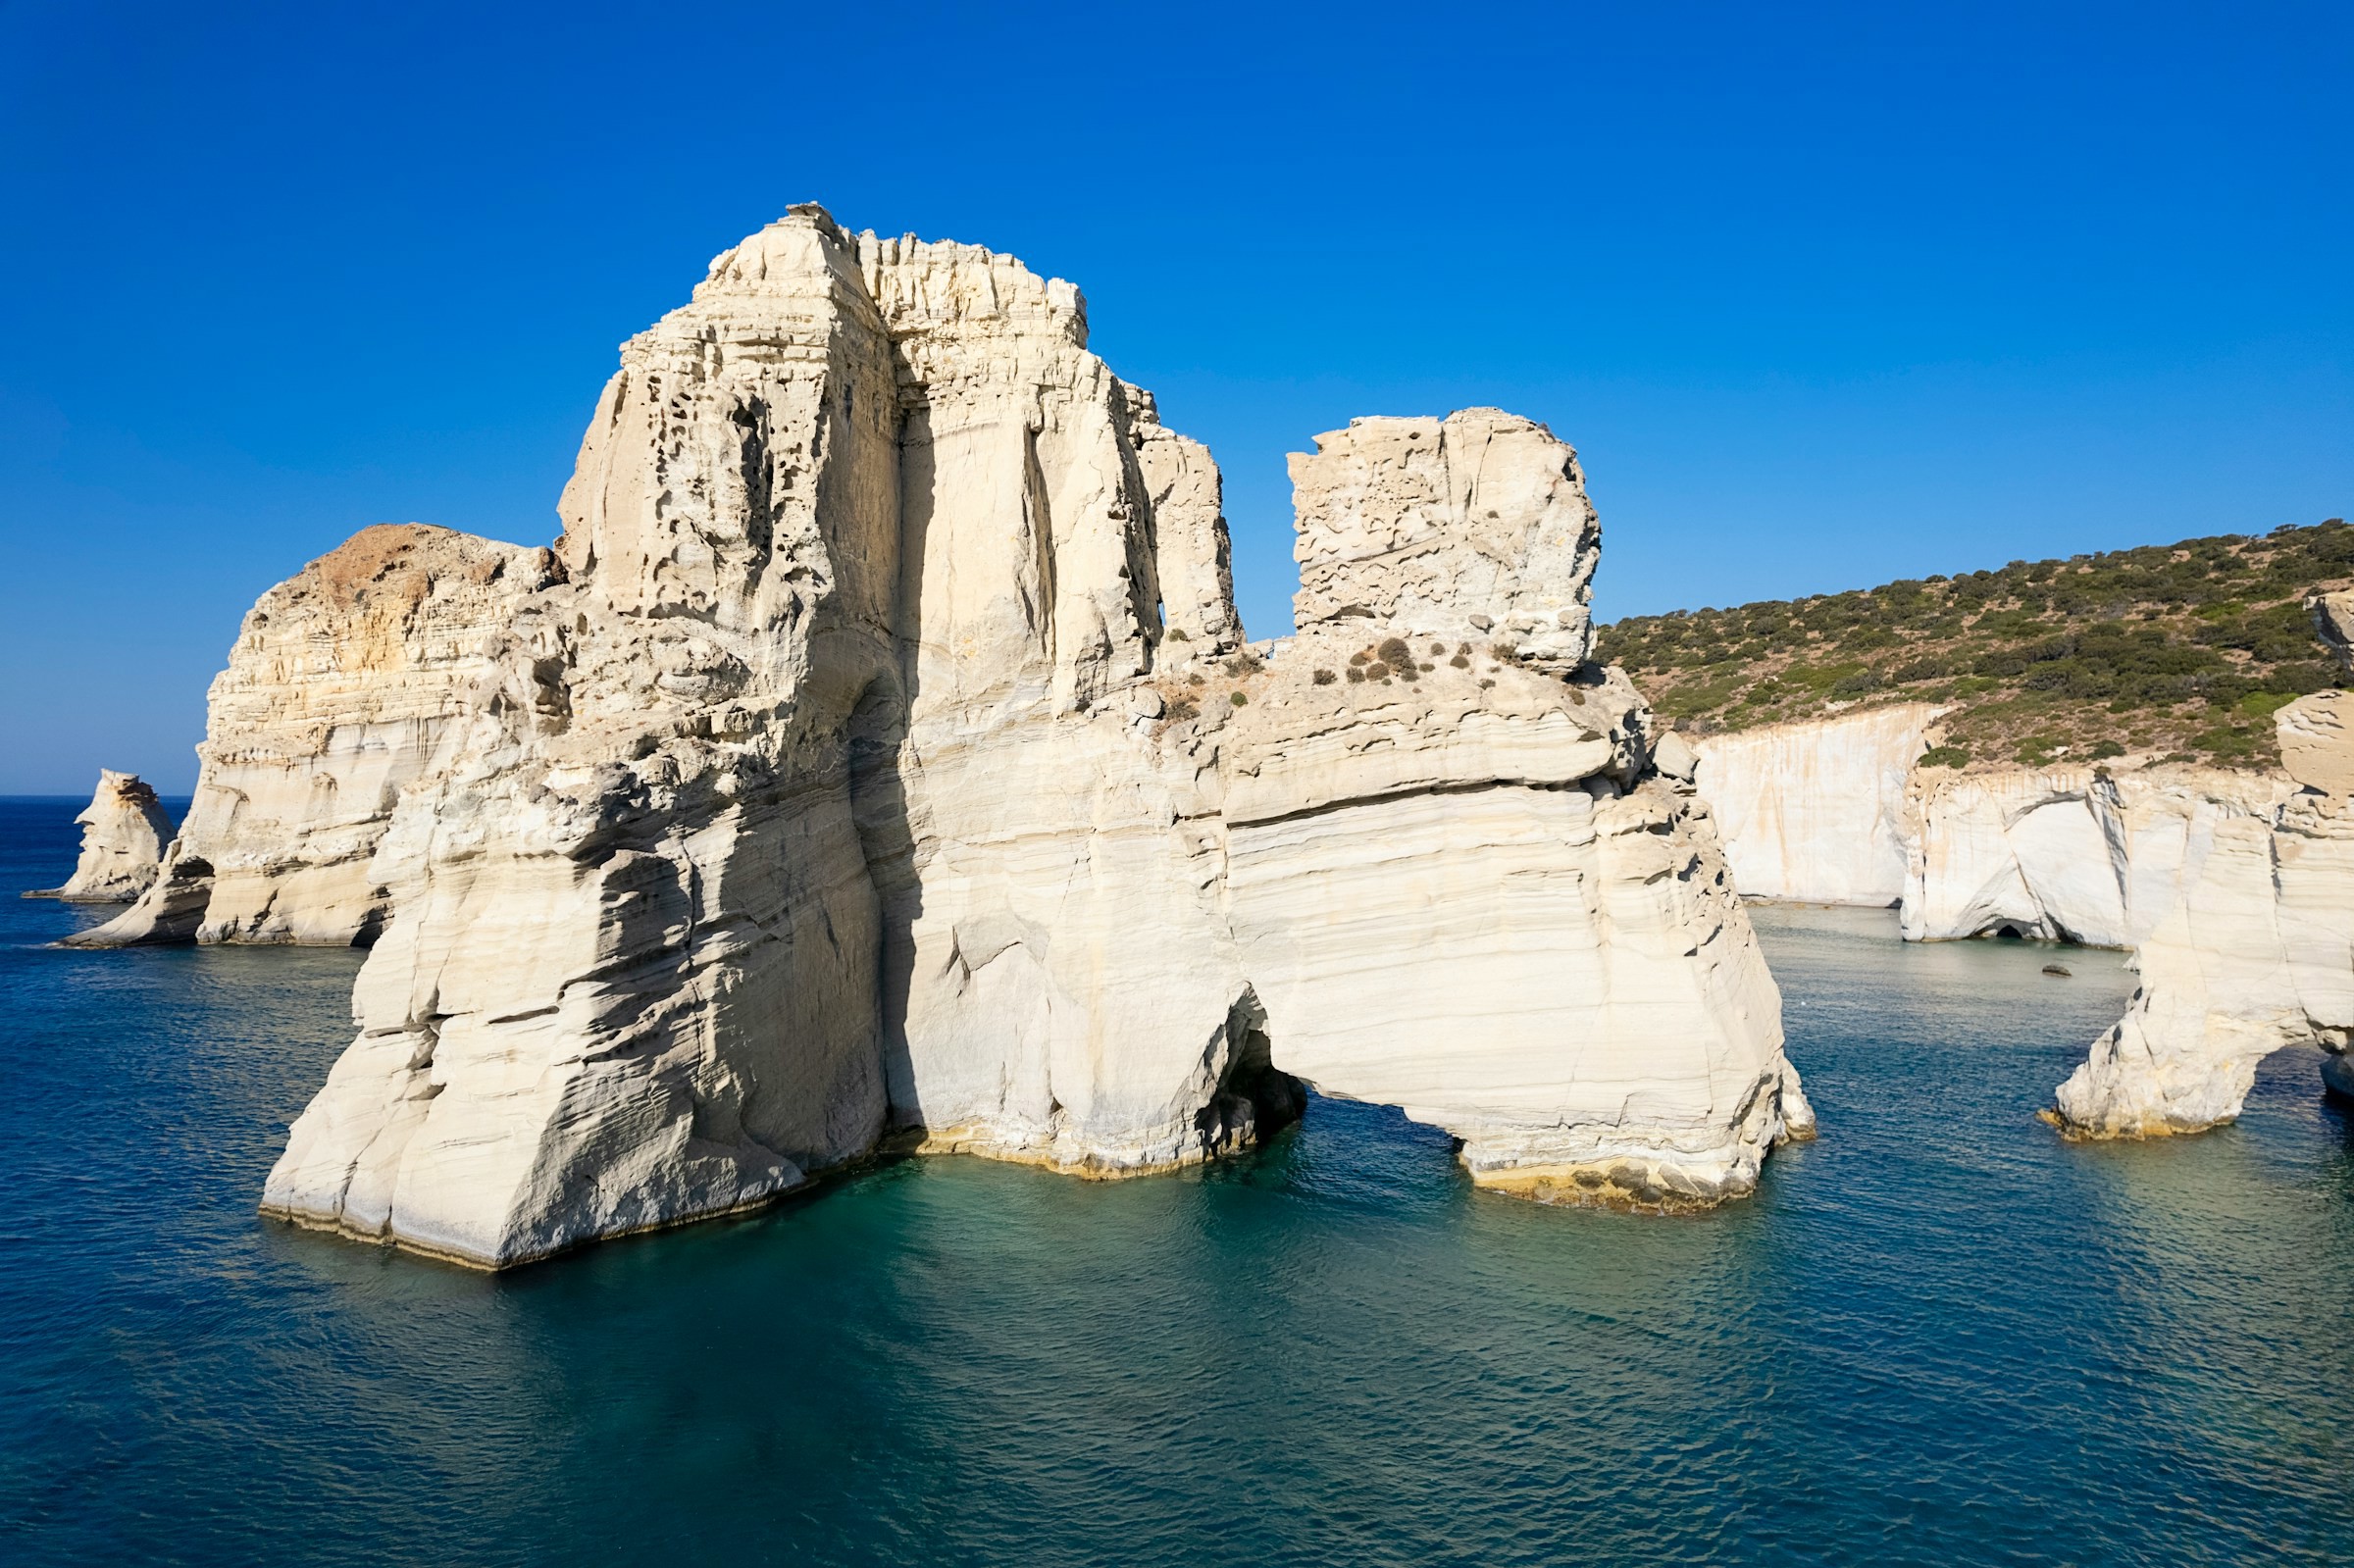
(2066, 854)
(1467, 897)
(345, 686)
(1476, 525)
(1815, 811)
(854, 778)
(123, 832)
(2256, 954)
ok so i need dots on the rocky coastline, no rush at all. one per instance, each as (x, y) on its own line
(876, 760)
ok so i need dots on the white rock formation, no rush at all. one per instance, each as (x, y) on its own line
(2256, 955)
(2065, 854)
(1816, 811)
(1465, 896)
(124, 831)
(850, 778)
(1473, 526)
(344, 687)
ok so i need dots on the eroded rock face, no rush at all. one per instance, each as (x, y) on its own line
(124, 831)
(1469, 895)
(2251, 958)
(851, 777)
(2065, 854)
(1817, 811)
(347, 683)
(1476, 526)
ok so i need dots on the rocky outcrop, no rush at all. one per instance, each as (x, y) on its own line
(2252, 958)
(1817, 811)
(1476, 526)
(345, 686)
(124, 831)
(2065, 854)
(850, 779)
(1461, 892)
(1837, 809)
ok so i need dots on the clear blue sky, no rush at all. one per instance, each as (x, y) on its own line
(1823, 295)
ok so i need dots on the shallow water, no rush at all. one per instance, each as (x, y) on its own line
(1939, 1334)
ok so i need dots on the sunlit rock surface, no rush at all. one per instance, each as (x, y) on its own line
(2257, 954)
(1816, 811)
(869, 763)
(1472, 525)
(123, 832)
(348, 683)
(2065, 854)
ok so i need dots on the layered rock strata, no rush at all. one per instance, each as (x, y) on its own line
(348, 682)
(124, 831)
(2255, 955)
(1817, 811)
(846, 777)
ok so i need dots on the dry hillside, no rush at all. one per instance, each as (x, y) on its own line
(2168, 652)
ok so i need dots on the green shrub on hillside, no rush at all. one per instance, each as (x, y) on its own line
(2180, 650)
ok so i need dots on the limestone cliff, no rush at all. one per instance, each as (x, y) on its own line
(1816, 810)
(870, 760)
(1838, 810)
(2065, 854)
(2255, 954)
(124, 831)
(345, 686)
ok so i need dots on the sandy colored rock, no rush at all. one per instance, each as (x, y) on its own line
(1476, 526)
(123, 832)
(2317, 742)
(347, 685)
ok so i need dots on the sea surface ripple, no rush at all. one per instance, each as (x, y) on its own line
(1939, 1335)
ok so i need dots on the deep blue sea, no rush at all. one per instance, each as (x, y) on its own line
(1939, 1335)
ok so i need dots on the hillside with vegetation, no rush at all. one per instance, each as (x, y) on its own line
(2164, 653)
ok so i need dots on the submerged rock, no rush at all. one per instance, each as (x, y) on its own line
(878, 759)
(123, 832)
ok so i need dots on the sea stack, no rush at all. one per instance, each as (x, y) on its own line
(876, 758)
(124, 831)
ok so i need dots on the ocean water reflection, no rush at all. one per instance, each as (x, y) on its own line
(1939, 1334)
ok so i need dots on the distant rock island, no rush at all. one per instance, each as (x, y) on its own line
(124, 831)
(876, 760)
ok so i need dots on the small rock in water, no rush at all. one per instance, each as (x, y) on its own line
(2056, 969)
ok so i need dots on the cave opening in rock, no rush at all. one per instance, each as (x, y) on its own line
(2009, 932)
(1255, 1099)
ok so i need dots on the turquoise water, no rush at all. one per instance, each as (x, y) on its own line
(1937, 1335)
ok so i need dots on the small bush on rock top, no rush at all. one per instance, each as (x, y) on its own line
(1945, 757)
(1322, 677)
(1238, 698)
